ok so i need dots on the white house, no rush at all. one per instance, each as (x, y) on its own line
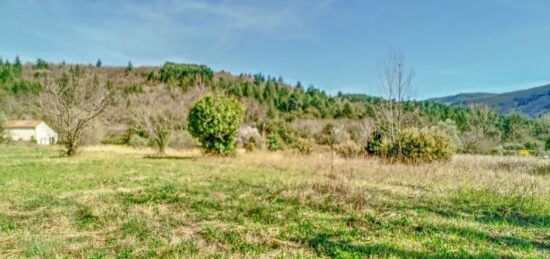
(30, 130)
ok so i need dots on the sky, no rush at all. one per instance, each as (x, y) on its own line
(336, 45)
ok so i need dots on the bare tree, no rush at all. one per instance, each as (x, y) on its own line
(161, 111)
(396, 88)
(72, 100)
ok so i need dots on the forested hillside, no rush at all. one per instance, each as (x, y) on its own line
(531, 102)
(285, 116)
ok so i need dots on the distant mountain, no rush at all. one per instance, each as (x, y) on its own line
(531, 102)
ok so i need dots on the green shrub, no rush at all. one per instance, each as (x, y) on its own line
(274, 142)
(531, 145)
(374, 143)
(214, 121)
(547, 144)
(513, 146)
(304, 146)
(419, 146)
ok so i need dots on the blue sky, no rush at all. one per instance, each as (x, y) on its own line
(453, 46)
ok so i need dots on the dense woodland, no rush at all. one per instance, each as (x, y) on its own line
(283, 116)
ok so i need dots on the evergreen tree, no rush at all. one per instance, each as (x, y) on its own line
(98, 63)
(18, 65)
(41, 64)
(130, 66)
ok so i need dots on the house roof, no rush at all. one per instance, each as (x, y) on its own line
(22, 124)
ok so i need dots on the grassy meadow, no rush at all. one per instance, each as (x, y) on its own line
(117, 202)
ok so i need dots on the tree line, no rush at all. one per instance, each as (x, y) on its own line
(274, 107)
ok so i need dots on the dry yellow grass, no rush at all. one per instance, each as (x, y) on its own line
(115, 202)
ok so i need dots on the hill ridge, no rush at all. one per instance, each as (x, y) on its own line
(531, 102)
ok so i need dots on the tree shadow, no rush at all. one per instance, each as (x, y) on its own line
(325, 246)
(169, 157)
(486, 214)
(469, 233)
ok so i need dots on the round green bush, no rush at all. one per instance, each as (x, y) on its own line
(274, 142)
(214, 120)
(419, 146)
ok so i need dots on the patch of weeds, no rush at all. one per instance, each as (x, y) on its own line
(401, 221)
(42, 201)
(260, 214)
(6, 224)
(96, 255)
(540, 170)
(167, 193)
(37, 249)
(136, 227)
(214, 234)
(323, 245)
(125, 253)
(230, 237)
(491, 207)
(84, 218)
(368, 221)
(188, 247)
(205, 208)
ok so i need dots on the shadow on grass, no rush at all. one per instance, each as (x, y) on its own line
(488, 215)
(324, 245)
(476, 235)
(169, 157)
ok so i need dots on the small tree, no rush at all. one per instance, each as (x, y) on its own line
(72, 101)
(98, 63)
(332, 135)
(18, 65)
(130, 66)
(396, 87)
(157, 114)
(214, 120)
(41, 64)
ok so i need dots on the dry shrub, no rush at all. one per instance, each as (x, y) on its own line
(249, 138)
(182, 139)
(349, 149)
(340, 193)
(419, 146)
(137, 141)
(303, 146)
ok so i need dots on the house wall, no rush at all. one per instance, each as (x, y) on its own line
(42, 134)
(22, 134)
(45, 135)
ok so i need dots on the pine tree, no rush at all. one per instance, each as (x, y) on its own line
(130, 66)
(18, 62)
(98, 63)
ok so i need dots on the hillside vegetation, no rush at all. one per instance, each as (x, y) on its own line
(117, 202)
(285, 116)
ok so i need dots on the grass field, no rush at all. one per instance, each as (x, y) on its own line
(115, 202)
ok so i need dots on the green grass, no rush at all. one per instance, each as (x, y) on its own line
(122, 204)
